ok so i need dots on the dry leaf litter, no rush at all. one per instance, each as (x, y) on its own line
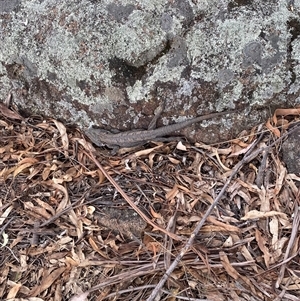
(68, 234)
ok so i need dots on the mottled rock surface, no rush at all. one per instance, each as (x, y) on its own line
(110, 63)
(291, 152)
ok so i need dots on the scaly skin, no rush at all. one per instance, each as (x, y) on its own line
(138, 137)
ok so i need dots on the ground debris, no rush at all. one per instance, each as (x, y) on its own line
(66, 231)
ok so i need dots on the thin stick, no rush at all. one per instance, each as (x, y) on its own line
(248, 157)
(129, 201)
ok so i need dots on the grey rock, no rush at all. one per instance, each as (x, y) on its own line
(291, 152)
(7, 6)
(120, 12)
(112, 62)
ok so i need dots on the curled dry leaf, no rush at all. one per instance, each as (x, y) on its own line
(156, 215)
(4, 123)
(285, 112)
(87, 145)
(42, 212)
(212, 149)
(274, 227)
(5, 214)
(87, 252)
(261, 242)
(47, 281)
(63, 134)
(283, 123)
(5, 111)
(5, 240)
(64, 202)
(181, 146)
(146, 151)
(173, 160)
(14, 291)
(253, 214)
(242, 150)
(273, 129)
(221, 163)
(172, 193)
(281, 178)
(22, 166)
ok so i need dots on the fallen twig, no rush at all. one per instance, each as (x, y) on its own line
(129, 201)
(248, 157)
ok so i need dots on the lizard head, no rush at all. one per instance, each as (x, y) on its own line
(94, 134)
